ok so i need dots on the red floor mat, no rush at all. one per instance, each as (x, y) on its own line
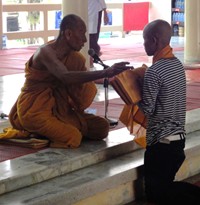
(8, 152)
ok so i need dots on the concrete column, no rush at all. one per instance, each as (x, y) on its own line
(80, 8)
(1, 23)
(192, 31)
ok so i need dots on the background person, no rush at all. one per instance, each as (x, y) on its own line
(95, 10)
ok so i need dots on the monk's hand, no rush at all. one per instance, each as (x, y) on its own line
(117, 68)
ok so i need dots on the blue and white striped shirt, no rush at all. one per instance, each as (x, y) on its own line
(164, 99)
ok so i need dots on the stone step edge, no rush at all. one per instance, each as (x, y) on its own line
(84, 183)
(80, 184)
(44, 169)
(192, 120)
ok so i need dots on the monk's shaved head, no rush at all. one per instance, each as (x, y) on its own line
(72, 34)
(72, 22)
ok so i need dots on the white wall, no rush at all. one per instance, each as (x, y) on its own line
(160, 9)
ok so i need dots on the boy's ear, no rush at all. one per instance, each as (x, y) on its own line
(155, 40)
(68, 34)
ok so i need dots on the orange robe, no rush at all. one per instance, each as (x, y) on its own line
(49, 108)
(129, 85)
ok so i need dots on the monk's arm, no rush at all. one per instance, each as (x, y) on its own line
(57, 68)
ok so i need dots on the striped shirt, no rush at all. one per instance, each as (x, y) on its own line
(164, 99)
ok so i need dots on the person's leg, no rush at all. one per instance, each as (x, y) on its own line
(162, 161)
(98, 127)
(60, 134)
(183, 193)
(93, 42)
(98, 31)
(167, 160)
(94, 37)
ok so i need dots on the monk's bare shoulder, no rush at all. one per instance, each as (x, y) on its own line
(46, 58)
(43, 54)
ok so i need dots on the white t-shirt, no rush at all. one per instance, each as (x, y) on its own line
(94, 6)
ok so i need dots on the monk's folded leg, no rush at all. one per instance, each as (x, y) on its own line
(62, 135)
(98, 127)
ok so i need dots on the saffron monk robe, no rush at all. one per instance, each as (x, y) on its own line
(57, 90)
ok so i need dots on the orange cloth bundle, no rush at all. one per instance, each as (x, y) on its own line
(128, 84)
(31, 142)
(134, 119)
(22, 138)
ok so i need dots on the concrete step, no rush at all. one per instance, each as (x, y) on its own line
(115, 181)
(49, 163)
(80, 184)
(192, 120)
(142, 200)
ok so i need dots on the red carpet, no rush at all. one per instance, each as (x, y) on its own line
(8, 152)
(13, 60)
(130, 51)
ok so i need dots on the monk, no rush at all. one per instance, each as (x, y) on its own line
(58, 88)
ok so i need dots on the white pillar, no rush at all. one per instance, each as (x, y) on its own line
(192, 31)
(80, 8)
(1, 23)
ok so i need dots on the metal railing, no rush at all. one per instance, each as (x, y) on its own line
(44, 8)
(44, 33)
